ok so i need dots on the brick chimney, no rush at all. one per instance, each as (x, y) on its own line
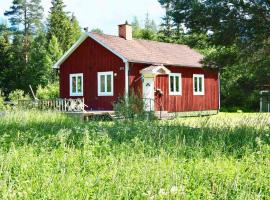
(125, 31)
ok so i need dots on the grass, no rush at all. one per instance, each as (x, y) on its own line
(53, 156)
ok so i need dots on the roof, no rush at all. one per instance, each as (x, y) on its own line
(143, 51)
(155, 69)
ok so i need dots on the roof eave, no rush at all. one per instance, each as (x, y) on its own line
(165, 64)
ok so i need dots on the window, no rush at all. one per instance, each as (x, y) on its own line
(76, 84)
(105, 83)
(198, 84)
(175, 84)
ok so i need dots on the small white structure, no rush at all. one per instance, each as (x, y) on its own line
(149, 74)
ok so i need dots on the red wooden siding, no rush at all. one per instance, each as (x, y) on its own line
(90, 58)
(187, 101)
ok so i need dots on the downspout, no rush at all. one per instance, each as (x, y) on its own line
(126, 78)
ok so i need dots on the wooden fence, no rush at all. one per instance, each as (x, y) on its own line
(62, 105)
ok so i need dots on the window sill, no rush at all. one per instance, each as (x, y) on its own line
(175, 94)
(76, 95)
(105, 95)
(198, 94)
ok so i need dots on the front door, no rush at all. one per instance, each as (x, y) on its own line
(148, 93)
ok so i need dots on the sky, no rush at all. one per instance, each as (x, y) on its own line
(103, 14)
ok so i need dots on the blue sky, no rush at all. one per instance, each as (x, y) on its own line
(103, 14)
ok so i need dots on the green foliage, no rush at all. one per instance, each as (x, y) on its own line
(132, 108)
(54, 50)
(52, 156)
(148, 32)
(17, 95)
(233, 35)
(29, 50)
(62, 26)
(2, 98)
(97, 30)
(51, 91)
(25, 17)
(39, 71)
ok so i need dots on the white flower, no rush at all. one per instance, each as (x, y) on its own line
(174, 189)
(162, 192)
(258, 140)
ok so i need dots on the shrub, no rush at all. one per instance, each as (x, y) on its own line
(132, 108)
(17, 95)
(50, 91)
(1, 101)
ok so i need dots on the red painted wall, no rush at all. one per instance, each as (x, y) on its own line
(90, 58)
(187, 101)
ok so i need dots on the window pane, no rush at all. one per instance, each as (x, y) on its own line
(79, 84)
(102, 83)
(171, 83)
(73, 89)
(177, 84)
(109, 83)
(196, 84)
(200, 84)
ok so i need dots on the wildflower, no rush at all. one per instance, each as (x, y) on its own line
(174, 189)
(258, 140)
(162, 192)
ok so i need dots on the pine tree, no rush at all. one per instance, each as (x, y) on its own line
(5, 54)
(25, 17)
(166, 33)
(97, 30)
(66, 29)
(54, 50)
(136, 29)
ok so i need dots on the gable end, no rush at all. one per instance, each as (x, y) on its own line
(79, 42)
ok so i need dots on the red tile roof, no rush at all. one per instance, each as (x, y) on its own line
(152, 52)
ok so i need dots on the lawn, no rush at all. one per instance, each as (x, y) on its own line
(53, 156)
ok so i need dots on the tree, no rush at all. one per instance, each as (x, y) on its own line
(149, 32)
(5, 54)
(166, 33)
(97, 30)
(40, 64)
(28, 15)
(66, 29)
(233, 35)
(136, 28)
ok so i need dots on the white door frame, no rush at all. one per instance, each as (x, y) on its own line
(148, 84)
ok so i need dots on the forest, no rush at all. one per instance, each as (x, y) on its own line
(233, 36)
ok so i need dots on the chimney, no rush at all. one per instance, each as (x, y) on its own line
(125, 31)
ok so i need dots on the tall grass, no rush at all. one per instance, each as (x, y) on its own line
(53, 156)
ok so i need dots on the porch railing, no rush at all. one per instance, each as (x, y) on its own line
(62, 105)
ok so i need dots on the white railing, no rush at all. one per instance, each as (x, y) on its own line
(62, 105)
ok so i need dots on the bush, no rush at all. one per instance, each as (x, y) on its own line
(17, 95)
(1, 101)
(50, 91)
(132, 108)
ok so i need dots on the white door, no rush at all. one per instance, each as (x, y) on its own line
(148, 94)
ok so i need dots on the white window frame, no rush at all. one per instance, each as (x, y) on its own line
(75, 94)
(197, 93)
(180, 84)
(106, 93)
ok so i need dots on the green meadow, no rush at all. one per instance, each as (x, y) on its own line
(46, 155)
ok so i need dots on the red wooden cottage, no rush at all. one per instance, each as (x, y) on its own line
(102, 67)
